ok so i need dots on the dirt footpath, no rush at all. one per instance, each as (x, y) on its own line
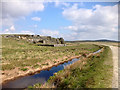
(115, 66)
(119, 69)
(115, 79)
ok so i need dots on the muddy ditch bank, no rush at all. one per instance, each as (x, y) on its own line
(40, 75)
(34, 71)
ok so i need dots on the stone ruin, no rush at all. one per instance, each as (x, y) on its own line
(37, 39)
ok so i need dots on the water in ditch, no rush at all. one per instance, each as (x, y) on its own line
(41, 77)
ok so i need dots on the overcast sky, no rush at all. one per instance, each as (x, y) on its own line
(70, 20)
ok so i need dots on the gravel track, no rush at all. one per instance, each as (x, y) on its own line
(115, 66)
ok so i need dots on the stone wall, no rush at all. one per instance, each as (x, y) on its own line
(52, 45)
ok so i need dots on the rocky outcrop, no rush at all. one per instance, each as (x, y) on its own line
(38, 39)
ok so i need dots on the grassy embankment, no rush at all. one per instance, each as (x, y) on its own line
(20, 53)
(92, 72)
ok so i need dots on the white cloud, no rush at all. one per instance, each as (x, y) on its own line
(71, 28)
(11, 11)
(46, 32)
(36, 18)
(9, 30)
(6, 30)
(58, 4)
(26, 32)
(98, 22)
(12, 28)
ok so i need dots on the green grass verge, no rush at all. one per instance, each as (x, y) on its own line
(96, 73)
(20, 53)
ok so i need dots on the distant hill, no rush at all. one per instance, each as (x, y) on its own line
(105, 40)
(101, 40)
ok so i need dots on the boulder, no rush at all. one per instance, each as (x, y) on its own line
(38, 39)
(62, 40)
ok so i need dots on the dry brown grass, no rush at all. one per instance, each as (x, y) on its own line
(86, 73)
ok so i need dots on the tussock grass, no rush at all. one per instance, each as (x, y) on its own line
(92, 72)
(22, 53)
(24, 69)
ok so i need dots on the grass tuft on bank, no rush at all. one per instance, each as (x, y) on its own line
(22, 54)
(92, 72)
